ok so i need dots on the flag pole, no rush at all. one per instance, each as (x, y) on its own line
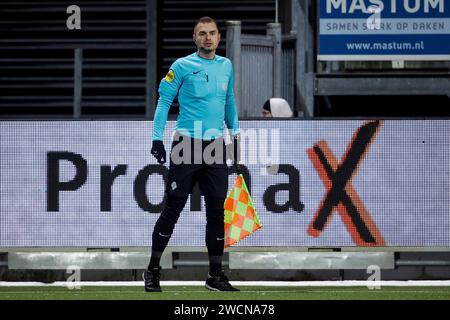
(235, 156)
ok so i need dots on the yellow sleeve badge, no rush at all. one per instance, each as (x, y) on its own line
(170, 76)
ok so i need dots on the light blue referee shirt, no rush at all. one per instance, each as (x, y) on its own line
(205, 94)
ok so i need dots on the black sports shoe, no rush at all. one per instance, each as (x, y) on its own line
(151, 280)
(219, 283)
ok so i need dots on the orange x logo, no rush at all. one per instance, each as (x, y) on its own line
(340, 193)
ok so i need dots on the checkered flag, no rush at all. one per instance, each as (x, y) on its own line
(241, 219)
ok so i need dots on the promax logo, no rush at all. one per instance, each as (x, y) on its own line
(110, 175)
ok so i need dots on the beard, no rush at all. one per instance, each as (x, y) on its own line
(206, 50)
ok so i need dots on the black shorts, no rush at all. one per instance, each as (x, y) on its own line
(197, 161)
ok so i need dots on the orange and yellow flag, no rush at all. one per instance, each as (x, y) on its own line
(241, 219)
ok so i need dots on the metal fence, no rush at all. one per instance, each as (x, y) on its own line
(256, 74)
(264, 67)
(47, 69)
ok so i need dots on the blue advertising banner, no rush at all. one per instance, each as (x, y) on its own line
(384, 30)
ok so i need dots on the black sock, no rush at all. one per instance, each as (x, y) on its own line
(214, 236)
(160, 239)
(215, 265)
(154, 260)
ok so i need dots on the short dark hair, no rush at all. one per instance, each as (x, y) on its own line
(266, 105)
(206, 20)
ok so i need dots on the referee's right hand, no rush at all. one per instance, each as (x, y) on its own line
(158, 151)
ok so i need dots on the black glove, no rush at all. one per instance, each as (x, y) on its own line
(158, 151)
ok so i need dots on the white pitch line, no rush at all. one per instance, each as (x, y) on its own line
(349, 283)
(260, 292)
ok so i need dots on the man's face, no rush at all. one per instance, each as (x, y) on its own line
(206, 37)
(266, 114)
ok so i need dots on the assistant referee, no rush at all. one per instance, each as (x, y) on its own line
(203, 82)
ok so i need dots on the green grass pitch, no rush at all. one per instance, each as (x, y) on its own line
(247, 293)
